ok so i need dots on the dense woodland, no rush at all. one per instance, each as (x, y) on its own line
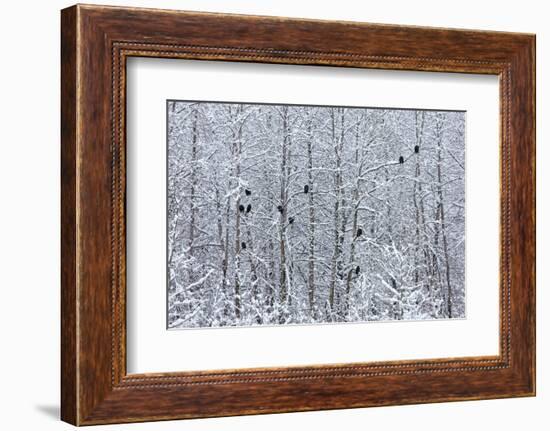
(283, 214)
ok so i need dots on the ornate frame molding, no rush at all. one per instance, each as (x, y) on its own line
(96, 41)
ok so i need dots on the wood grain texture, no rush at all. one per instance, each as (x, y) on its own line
(96, 41)
(69, 397)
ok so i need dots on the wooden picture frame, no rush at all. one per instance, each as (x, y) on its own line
(96, 41)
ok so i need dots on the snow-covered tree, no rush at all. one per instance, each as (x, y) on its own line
(281, 214)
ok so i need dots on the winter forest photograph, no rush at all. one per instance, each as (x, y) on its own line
(299, 214)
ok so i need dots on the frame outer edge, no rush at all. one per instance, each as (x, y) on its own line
(532, 83)
(69, 201)
(523, 201)
(533, 53)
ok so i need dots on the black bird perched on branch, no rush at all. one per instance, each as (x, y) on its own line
(401, 159)
(248, 208)
(280, 208)
(291, 220)
(357, 270)
(306, 188)
(359, 232)
(243, 245)
(241, 207)
(416, 149)
(247, 192)
(393, 283)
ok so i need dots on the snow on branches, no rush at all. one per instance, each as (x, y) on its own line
(298, 214)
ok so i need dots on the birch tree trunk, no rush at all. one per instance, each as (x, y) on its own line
(238, 148)
(311, 232)
(355, 209)
(283, 282)
(338, 238)
(449, 297)
(192, 207)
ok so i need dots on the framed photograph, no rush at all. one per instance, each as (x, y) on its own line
(264, 215)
